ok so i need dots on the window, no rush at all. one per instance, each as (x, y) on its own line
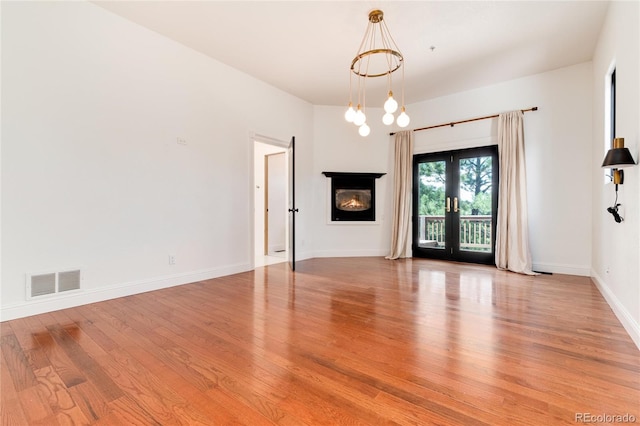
(610, 118)
(612, 107)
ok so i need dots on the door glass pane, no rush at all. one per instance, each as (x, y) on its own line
(431, 208)
(474, 203)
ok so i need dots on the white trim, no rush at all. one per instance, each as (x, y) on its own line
(253, 138)
(251, 226)
(256, 137)
(304, 255)
(352, 253)
(556, 268)
(625, 318)
(64, 301)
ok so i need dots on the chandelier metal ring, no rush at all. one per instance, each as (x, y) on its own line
(376, 52)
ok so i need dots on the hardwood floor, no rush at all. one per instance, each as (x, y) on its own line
(357, 341)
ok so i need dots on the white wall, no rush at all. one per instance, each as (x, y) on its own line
(339, 148)
(558, 159)
(616, 247)
(92, 174)
(557, 139)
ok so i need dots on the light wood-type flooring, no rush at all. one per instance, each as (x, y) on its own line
(342, 341)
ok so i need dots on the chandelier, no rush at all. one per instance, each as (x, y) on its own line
(378, 56)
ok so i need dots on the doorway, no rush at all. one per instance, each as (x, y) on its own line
(275, 218)
(455, 200)
(271, 228)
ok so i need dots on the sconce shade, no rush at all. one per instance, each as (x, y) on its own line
(618, 156)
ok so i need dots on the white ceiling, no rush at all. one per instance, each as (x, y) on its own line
(306, 47)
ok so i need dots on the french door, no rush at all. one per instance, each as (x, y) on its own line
(455, 200)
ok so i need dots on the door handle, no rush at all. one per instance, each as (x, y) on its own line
(293, 210)
(455, 204)
(448, 206)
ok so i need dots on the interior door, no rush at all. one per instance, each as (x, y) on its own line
(455, 200)
(292, 204)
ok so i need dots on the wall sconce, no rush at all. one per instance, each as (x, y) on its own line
(617, 158)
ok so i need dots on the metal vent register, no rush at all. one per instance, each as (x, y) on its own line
(52, 283)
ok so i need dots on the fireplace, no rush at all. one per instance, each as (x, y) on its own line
(353, 196)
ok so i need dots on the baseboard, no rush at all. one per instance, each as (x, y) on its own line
(351, 253)
(556, 268)
(304, 255)
(625, 318)
(35, 307)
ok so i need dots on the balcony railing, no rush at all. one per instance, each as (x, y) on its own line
(475, 232)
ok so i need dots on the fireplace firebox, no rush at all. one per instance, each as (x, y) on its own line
(353, 196)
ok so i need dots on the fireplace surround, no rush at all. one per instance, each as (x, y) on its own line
(353, 196)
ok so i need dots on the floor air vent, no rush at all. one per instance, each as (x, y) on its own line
(52, 283)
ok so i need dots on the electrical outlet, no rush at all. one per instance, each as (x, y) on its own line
(172, 259)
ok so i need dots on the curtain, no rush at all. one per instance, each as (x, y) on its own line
(512, 236)
(402, 180)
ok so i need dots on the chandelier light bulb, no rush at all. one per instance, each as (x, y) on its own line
(350, 114)
(387, 119)
(364, 130)
(403, 119)
(391, 105)
(359, 118)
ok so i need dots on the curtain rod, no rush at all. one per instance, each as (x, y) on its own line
(453, 123)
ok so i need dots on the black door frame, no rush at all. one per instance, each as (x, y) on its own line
(452, 249)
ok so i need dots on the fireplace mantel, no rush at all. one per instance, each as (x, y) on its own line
(353, 174)
(353, 196)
